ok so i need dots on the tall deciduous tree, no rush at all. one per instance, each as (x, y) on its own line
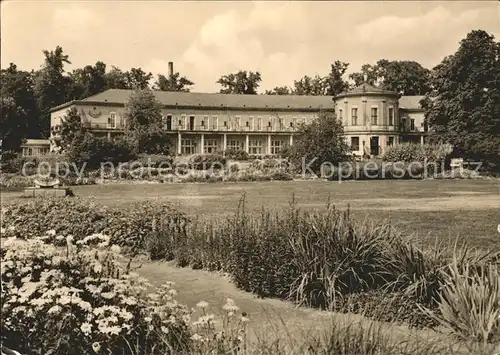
(315, 86)
(20, 116)
(331, 84)
(279, 90)
(367, 70)
(463, 108)
(116, 79)
(138, 79)
(406, 77)
(52, 87)
(242, 82)
(144, 124)
(335, 83)
(89, 80)
(173, 82)
(318, 142)
(12, 124)
(70, 127)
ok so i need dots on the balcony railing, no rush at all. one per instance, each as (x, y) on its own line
(91, 125)
(241, 129)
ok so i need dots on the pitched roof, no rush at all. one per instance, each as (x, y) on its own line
(221, 100)
(410, 102)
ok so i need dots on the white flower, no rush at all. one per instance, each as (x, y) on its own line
(96, 347)
(196, 337)
(108, 295)
(54, 309)
(245, 320)
(202, 305)
(115, 249)
(51, 232)
(86, 328)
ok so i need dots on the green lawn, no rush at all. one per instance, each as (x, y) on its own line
(426, 210)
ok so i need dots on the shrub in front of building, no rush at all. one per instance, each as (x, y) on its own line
(434, 155)
(236, 154)
(207, 162)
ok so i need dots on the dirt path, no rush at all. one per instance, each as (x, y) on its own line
(271, 317)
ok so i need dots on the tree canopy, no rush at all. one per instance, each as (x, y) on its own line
(405, 77)
(463, 108)
(144, 124)
(319, 142)
(242, 82)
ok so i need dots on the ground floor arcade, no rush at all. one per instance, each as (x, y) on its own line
(208, 143)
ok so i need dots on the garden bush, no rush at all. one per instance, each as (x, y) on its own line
(435, 156)
(15, 182)
(153, 160)
(282, 176)
(207, 162)
(90, 151)
(131, 226)
(236, 154)
(469, 302)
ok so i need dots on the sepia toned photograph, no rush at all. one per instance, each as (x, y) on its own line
(250, 177)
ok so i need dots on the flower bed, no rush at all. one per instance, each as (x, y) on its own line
(133, 227)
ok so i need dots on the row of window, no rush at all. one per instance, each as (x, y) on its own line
(355, 143)
(210, 146)
(212, 123)
(236, 123)
(373, 116)
(28, 152)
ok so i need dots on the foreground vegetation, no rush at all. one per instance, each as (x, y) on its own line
(316, 258)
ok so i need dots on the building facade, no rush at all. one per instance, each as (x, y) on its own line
(202, 123)
(375, 119)
(35, 148)
(207, 123)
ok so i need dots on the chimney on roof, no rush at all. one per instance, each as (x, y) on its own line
(170, 68)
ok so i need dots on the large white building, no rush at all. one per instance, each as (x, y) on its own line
(260, 124)
(374, 119)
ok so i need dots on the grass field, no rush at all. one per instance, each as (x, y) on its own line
(425, 210)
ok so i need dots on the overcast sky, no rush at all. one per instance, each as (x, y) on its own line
(282, 40)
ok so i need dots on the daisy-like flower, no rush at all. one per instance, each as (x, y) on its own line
(54, 309)
(196, 337)
(86, 328)
(108, 295)
(202, 305)
(230, 306)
